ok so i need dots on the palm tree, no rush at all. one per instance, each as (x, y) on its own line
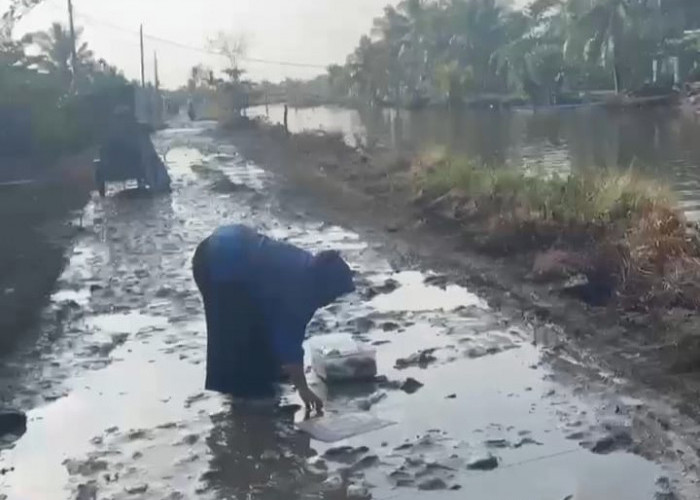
(338, 80)
(13, 13)
(55, 46)
(478, 30)
(603, 29)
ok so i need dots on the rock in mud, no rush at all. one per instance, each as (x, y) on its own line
(345, 454)
(390, 326)
(526, 441)
(85, 468)
(665, 491)
(362, 325)
(421, 359)
(365, 463)
(439, 280)
(612, 442)
(402, 478)
(497, 443)
(190, 439)
(432, 484)
(12, 422)
(357, 492)
(137, 490)
(486, 462)
(138, 434)
(477, 352)
(576, 436)
(87, 491)
(175, 495)
(377, 343)
(389, 286)
(195, 399)
(383, 382)
(411, 386)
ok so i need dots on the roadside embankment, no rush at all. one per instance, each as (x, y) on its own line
(36, 229)
(618, 233)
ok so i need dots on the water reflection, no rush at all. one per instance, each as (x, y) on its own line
(662, 142)
(257, 453)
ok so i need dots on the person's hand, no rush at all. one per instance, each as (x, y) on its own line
(311, 400)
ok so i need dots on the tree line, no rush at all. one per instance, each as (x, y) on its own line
(450, 50)
(48, 105)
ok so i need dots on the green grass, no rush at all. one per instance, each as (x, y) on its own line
(625, 229)
(587, 197)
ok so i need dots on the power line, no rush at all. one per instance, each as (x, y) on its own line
(194, 48)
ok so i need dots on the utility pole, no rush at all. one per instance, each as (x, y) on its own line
(74, 54)
(156, 80)
(158, 100)
(143, 63)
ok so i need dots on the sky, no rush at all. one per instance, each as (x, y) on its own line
(303, 32)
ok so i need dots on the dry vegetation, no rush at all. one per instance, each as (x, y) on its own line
(620, 230)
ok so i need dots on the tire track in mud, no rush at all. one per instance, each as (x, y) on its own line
(119, 409)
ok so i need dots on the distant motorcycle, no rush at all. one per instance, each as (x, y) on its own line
(128, 154)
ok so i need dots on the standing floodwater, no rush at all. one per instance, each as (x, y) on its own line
(120, 407)
(659, 141)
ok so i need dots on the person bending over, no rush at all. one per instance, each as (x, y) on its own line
(259, 295)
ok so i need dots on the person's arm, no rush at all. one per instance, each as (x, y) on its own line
(298, 377)
(287, 339)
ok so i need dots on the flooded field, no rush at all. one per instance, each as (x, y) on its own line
(482, 404)
(661, 142)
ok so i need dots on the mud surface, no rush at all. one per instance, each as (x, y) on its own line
(486, 404)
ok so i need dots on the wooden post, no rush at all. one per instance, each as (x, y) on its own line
(143, 63)
(286, 123)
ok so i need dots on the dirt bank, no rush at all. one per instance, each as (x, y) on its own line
(659, 352)
(39, 220)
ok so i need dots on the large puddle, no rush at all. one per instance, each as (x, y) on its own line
(132, 420)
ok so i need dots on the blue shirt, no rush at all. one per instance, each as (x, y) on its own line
(286, 282)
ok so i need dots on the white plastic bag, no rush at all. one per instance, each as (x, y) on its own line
(340, 358)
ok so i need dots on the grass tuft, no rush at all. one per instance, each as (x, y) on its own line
(626, 230)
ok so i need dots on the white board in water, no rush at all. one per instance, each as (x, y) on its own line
(332, 428)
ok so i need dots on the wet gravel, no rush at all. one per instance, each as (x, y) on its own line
(114, 390)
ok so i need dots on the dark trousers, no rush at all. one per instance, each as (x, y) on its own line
(240, 361)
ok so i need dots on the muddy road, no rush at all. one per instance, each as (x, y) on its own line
(114, 387)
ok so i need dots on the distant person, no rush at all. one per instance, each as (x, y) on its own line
(259, 295)
(190, 110)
